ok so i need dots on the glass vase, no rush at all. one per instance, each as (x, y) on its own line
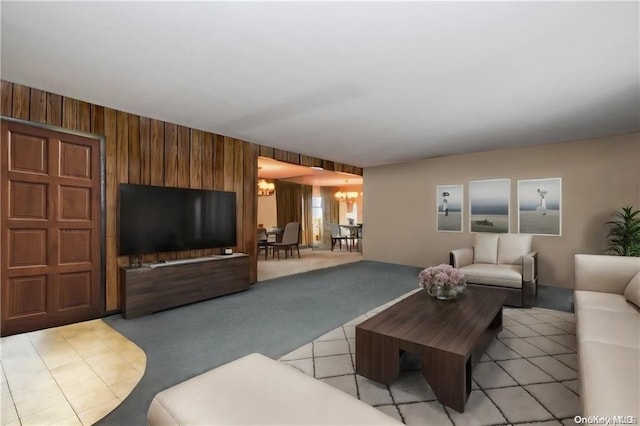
(446, 293)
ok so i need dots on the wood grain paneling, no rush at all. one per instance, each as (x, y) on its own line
(38, 106)
(148, 151)
(20, 104)
(7, 98)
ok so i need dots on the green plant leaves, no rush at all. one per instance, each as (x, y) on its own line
(624, 233)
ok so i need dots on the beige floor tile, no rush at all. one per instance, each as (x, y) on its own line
(74, 390)
(424, 413)
(116, 373)
(89, 350)
(499, 351)
(74, 372)
(391, 411)
(305, 365)
(104, 359)
(131, 353)
(70, 421)
(92, 399)
(20, 395)
(411, 386)
(525, 372)
(338, 365)
(336, 334)
(557, 399)
(517, 405)
(9, 414)
(548, 346)
(330, 347)
(523, 348)
(522, 331)
(478, 411)
(568, 359)
(55, 414)
(373, 393)
(30, 380)
(139, 363)
(490, 375)
(19, 367)
(55, 359)
(123, 388)
(555, 368)
(547, 329)
(92, 415)
(39, 402)
(526, 319)
(568, 340)
(302, 352)
(346, 384)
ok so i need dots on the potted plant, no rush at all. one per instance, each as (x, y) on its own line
(624, 233)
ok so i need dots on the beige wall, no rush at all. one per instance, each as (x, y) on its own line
(267, 210)
(599, 176)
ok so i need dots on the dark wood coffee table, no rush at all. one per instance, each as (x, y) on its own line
(451, 337)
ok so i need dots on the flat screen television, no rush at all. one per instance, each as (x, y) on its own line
(154, 219)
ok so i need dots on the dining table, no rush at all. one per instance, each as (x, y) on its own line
(353, 233)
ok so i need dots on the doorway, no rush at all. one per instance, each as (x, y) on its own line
(51, 227)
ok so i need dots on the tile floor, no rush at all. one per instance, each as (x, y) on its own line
(309, 260)
(528, 374)
(70, 375)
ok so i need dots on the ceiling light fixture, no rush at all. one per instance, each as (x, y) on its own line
(266, 188)
(346, 196)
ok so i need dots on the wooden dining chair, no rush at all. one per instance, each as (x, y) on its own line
(263, 242)
(336, 236)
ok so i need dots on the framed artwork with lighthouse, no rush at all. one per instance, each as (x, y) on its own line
(540, 206)
(449, 210)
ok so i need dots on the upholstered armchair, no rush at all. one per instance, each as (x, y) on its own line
(502, 263)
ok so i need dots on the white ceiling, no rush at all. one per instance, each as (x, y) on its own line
(364, 83)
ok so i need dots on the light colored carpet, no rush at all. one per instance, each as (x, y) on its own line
(528, 374)
(310, 260)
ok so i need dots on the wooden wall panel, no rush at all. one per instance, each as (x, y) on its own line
(218, 162)
(135, 163)
(111, 166)
(38, 106)
(20, 103)
(70, 113)
(148, 151)
(145, 151)
(54, 109)
(84, 117)
(7, 98)
(170, 155)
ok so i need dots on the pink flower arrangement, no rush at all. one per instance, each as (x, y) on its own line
(442, 280)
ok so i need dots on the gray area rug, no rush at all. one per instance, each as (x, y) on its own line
(529, 374)
(273, 317)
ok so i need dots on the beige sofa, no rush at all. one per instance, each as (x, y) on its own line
(608, 334)
(502, 263)
(256, 390)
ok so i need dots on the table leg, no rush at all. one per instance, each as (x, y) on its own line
(449, 376)
(377, 356)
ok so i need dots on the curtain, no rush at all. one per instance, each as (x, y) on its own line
(307, 215)
(330, 212)
(288, 202)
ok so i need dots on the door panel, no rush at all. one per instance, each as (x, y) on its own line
(51, 228)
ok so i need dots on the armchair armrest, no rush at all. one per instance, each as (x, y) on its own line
(530, 266)
(461, 257)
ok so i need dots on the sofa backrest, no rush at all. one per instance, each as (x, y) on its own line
(485, 248)
(505, 249)
(511, 248)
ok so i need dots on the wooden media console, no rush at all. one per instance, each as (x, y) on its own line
(154, 287)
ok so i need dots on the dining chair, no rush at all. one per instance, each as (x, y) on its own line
(290, 238)
(263, 242)
(336, 236)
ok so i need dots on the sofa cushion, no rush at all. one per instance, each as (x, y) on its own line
(616, 328)
(511, 248)
(632, 292)
(609, 379)
(499, 275)
(256, 390)
(601, 301)
(485, 249)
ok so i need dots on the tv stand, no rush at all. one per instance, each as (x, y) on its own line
(158, 286)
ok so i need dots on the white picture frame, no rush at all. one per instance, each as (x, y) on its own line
(489, 205)
(449, 208)
(540, 206)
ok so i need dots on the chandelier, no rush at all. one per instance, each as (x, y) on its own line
(346, 196)
(265, 188)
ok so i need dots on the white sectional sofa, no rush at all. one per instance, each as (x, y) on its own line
(256, 390)
(608, 333)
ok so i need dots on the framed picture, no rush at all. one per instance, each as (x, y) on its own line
(489, 205)
(540, 206)
(449, 211)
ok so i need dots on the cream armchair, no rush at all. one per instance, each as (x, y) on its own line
(502, 263)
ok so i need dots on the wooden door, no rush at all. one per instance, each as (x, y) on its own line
(50, 233)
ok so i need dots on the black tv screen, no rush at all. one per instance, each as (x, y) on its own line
(154, 219)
